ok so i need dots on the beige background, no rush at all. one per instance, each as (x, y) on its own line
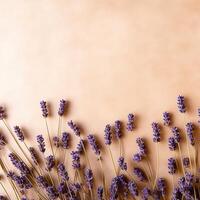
(108, 58)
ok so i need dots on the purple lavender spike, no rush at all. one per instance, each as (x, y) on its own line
(156, 132)
(19, 133)
(181, 104)
(43, 106)
(108, 135)
(141, 144)
(176, 134)
(166, 118)
(137, 157)
(172, 168)
(133, 189)
(65, 140)
(117, 129)
(61, 109)
(122, 163)
(2, 113)
(62, 172)
(74, 127)
(34, 155)
(100, 193)
(162, 186)
(190, 133)
(75, 159)
(89, 178)
(93, 144)
(172, 144)
(56, 141)
(130, 124)
(50, 162)
(140, 174)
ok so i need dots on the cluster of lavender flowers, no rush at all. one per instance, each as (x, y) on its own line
(66, 173)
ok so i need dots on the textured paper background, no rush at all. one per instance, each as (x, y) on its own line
(108, 58)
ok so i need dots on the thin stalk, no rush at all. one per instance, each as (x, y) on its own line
(5, 190)
(157, 164)
(149, 166)
(85, 152)
(172, 177)
(112, 160)
(180, 152)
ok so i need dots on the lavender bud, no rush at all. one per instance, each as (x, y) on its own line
(190, 133)
(89, 178)
(114, 188)
(61, 109)
(176, 134)
(181, 104)
(52, 192)
(141, 145)
(34, 155)
(93, 144)
(100, 193)
(42, 182)
(3, 197)
(2, 141)
(172, 143)
(62, 188)
(140, 174)
(56, 141)
(146, 193)
(198, 114)
(172, 168)
(75, 159)
(74, 128)
(43, 106)
(162, 186)
(62, 172)
(133, 189)
(176, 194)
(156, 132)
(108, 135)
(79, 146)
(41, 143)
(117, 129)
(130, 124)
(50, 162)
(137, 157)
(19, 133)
(186, 162)
(122, 163)
(167, 119)
(2, 113)
(65, 140)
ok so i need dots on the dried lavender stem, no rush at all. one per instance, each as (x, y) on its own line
(172, 177)
(180, 152)
(157, 165)
(112, 160)
(5, 190)
(149, 166)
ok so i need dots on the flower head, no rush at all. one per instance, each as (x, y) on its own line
(130, 124)
(74, 128)
(34, 155)
(61, 109)
(176, 134)
(176, 194)
(19, 133)
(41, 143)
(79, 146)
(2, 113)
(140, 174)
(43, 106)
(156, 132)
(162, 186)
(108, 135)
(2, 141)
(172, 168)
(42, 182)
(100, 193)
(181, 104)
(89, 178)
(133, 189)
(52, 192)
(117, 129)
(190, 132)
(50, 162)
(122, 163)
(62, 172)
(146, 193)
(56, 141)
(166, 118)
(93, 144)
(137, 157)
(65, 140)
(75, 159)
(172, 143)
(141, 144)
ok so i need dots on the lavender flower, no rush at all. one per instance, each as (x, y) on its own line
(89, 178)
(2, 113)
(140, 174)
(176, 134)
(137, 157)
(133, 189)
(2, 141)
(52, 192)
(43, 106)
(117, 129)
(3, 197)
(114, 188)
(141, 145)
(65, 140)
(162, 186)
(79, 146)
(62, 188)
(74, 127)
(93, 144)
(75, 159)
(42, 182)
(108, 135)
(172, 166)
(176, 195)
(34, 155)
(130, 124)
(166, 118)
(190, 133)
(100, 193)
(19, 133)
(172, 143)
(61, 109)
(122, 163)
(181, 104)
(198, 114)
(41, 143)
(156, 132)
(50, 162)
(186, 162)
(56, 141)
(146, 193)
(62, 172)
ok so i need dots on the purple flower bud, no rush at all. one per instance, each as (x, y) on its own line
(190, 133)
(172, 143)
(114, 188)
(108, 135)
(3, 197)
(181, 104)
(176, 194)
(75, 159)
(117, 129)
(52, 192)
(62, 172)
(162, 186)
(74, 128)
(19, 133)
(140, 174)
(93, 144)
(141, 144)
(156, 132)
(172, 168)
(122, 163)
(61, 109)
(65, 140)
(56, 141)
(2, 113)
(41, 143)
(176, 134)
(167, 118)
(130, 124)
(50, 162)
(89, 178)
(42, 182)
(79, 146)
(146, 193)
(34, 155)
(133, 189)
(2, 141)
(137, 157)
(186, 162)
(43, 106)
(62, 188)
(198, 114)
(100, 193)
